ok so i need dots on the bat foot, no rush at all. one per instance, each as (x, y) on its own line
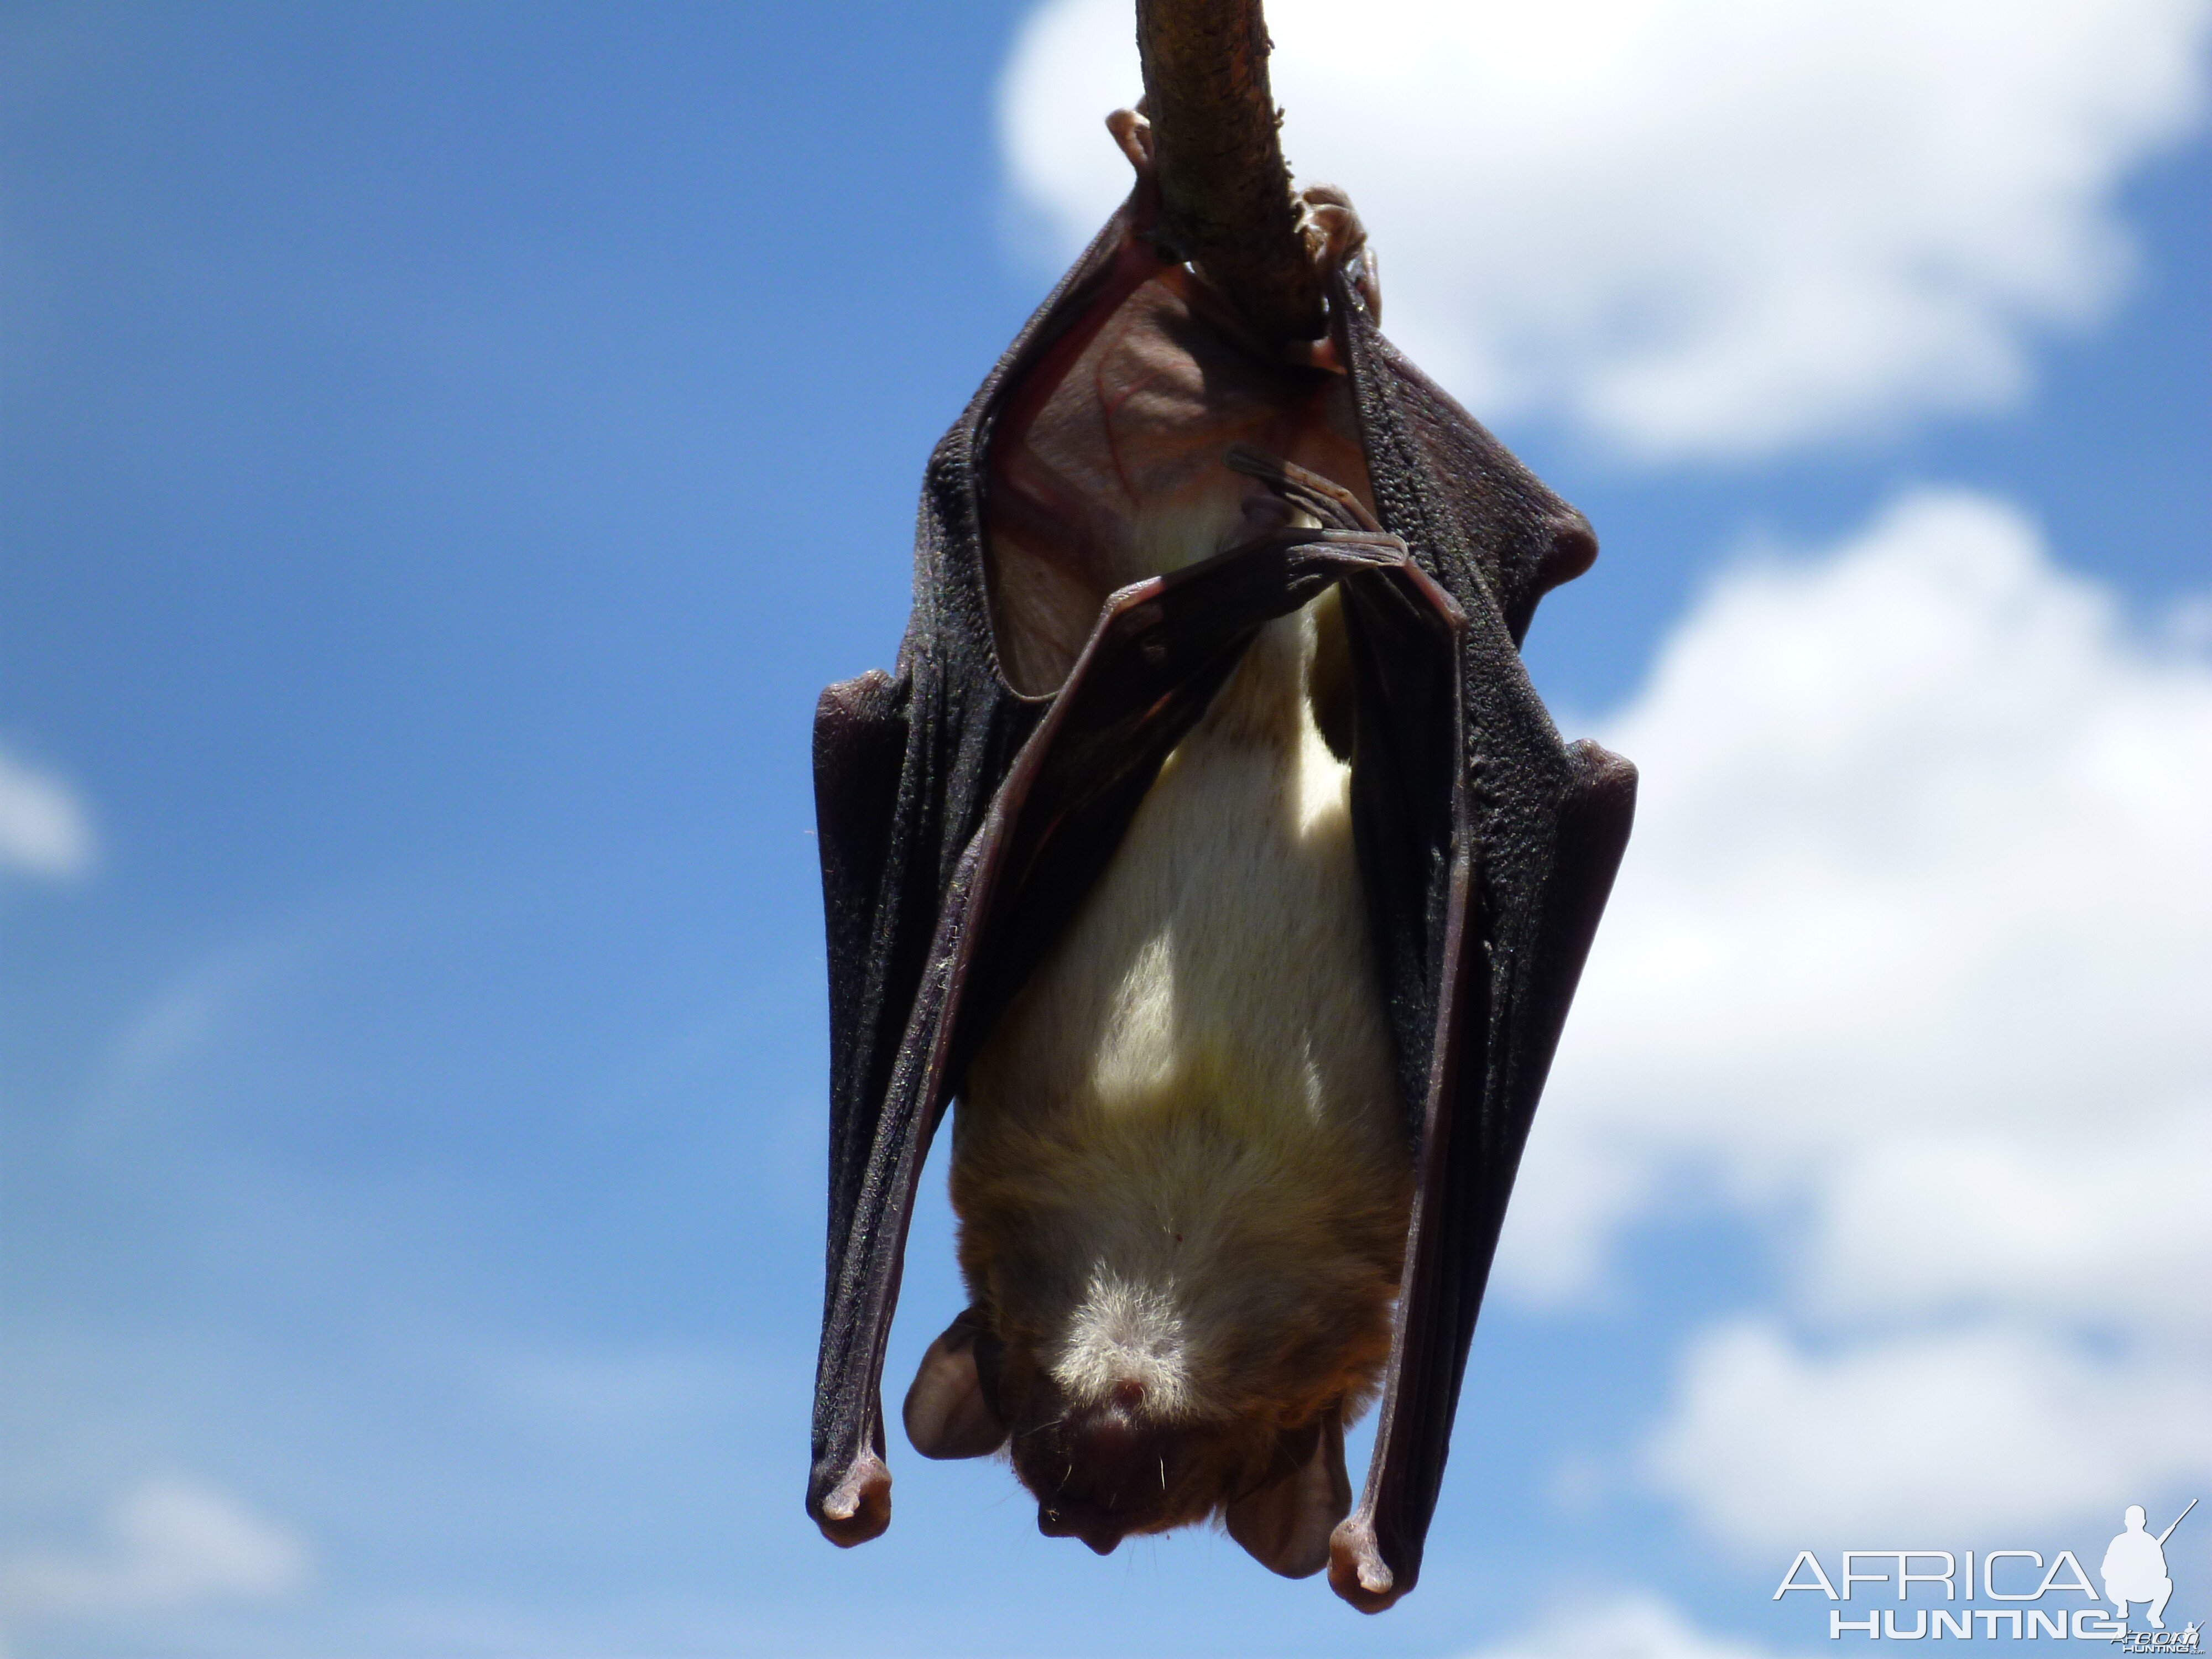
(1132, 133)
(1356, 1571)
(859, 1508)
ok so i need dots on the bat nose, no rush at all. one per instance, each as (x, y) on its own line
(1062, 1519)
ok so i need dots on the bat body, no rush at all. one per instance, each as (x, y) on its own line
(1180, 1161)
(1210, 846)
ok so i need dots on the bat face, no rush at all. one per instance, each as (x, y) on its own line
(1180, 1160)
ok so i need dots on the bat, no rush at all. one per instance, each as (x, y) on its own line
(1211, 846)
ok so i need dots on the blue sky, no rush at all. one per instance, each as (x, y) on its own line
(442, 455)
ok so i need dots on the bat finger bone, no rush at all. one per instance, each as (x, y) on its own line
(1336, 507)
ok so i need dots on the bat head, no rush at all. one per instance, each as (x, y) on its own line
(1148, 1378)
(1109, 1462)
(1106, 1468)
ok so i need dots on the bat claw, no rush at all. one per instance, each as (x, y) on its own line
(1356, 1571)
(859, 1508)
(1133, 133)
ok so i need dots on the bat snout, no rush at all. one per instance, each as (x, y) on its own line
(1069, 1518)
(1102, 1471)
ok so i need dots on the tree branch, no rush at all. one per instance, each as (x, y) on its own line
(1225, 198)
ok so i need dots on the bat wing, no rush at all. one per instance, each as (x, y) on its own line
(961, 822)
(1488, 847)
(908, 769)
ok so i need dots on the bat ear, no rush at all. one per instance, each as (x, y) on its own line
(1285, 1525)
(953, 1410)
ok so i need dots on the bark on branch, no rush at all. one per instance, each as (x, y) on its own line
(1226, 195)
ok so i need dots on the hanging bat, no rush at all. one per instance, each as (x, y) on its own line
(1211, 846)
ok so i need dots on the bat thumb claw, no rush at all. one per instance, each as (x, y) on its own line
(859, 1507)
(1356, 1571)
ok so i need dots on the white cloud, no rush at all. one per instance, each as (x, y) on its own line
(2110, 1230)
(172, 1544)
(1909, 965)
(1942, 1434)
(1915, 931)
(44, 827)
(1695, 230)
(1636, 1628)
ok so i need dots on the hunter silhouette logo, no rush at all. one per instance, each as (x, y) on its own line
(2134, 1566)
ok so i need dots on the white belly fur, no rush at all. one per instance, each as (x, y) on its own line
(1192, 1104)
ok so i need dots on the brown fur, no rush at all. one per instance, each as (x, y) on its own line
(1179, 1162)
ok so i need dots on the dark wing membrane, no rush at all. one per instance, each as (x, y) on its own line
(1475, 518)
(907, 770)
(1486, 872)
